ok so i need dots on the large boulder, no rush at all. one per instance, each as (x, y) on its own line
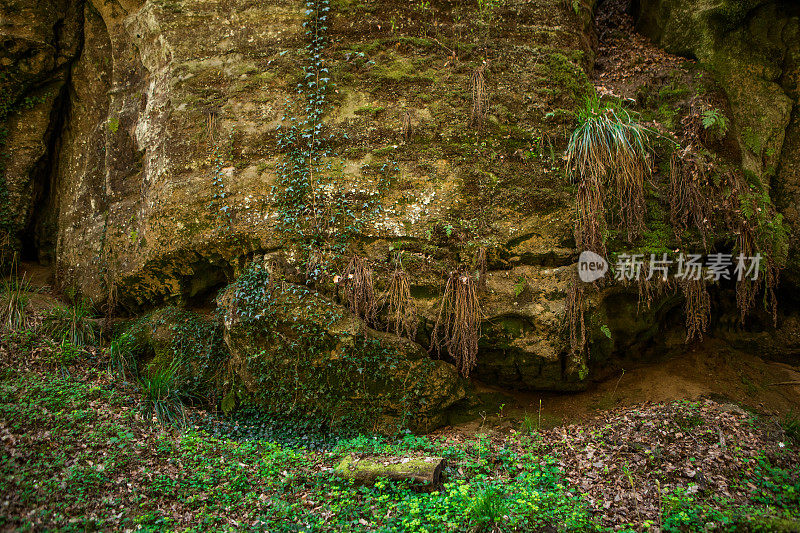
(296, 351)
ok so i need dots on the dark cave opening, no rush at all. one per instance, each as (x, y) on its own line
(201, 289)
(38, 237)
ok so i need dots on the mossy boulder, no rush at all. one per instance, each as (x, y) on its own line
(189, 341)
(295, 351)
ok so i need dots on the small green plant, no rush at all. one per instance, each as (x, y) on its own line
(715, 121)
(573, 5)
(121, 357)
(60, 355)
(73, 323)
(520, 286)
(487, 509)
(13, 313)
(161, 396)
(486, 9)
(529, 424)
(605, 330)
(113, 124)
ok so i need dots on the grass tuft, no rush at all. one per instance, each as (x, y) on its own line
(487, 509)
(13, 313)
(161, 396)
(609, 158)
(121, 360)
(73, 323)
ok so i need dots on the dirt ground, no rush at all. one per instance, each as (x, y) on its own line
(707, 370)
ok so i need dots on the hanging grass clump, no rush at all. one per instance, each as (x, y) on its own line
(609, 159)
(458, 324)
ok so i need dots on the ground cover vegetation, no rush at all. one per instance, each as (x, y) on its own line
(88, 447)
(150, 413)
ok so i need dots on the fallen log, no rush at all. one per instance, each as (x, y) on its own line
(367, 470)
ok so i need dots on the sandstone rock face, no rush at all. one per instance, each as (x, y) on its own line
(40, 43)
(753, 49)
(169, 155)
(152, 164)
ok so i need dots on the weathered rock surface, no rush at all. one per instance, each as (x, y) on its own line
(173, 103)
(294, 350)
(40, 43)
(753, 50)
(148, 163)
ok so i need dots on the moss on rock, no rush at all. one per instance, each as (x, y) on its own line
(192, 343)
(297, 351)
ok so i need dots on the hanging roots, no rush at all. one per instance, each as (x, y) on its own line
(405, 129)
(746, 288)
(689, 201)
(402, 312)
(697, 307)
(480, 96)
(458, 324)
(480, 268)
(768, 276)
(359, 290)
(576, 300)
(590, 220)
(211, 129)
(650, 289)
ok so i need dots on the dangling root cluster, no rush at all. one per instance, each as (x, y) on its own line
(590, 222)
(480, 96)
(481, 268)
(698, 307)
(402, 312)
(458, 324)
(651, 288)
(576, 299)
(690, 203)
(751, 237)
(359, 291)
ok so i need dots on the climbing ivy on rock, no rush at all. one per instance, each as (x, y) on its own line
(181, 337)
(318, 206)
(313, 361)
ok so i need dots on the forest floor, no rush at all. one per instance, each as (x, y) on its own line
(77, 455)
(710, 369)
(703, 441)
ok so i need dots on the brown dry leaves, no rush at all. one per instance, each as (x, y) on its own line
(627, 459)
